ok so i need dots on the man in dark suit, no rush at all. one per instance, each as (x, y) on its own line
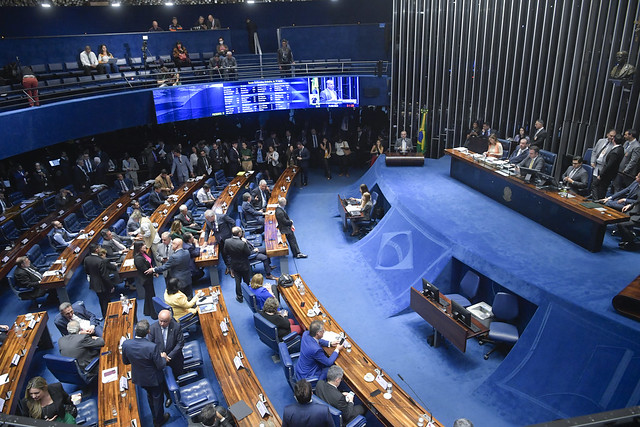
(251, 214)
(99, 281)
(539, 137)
(157, 197)
(220, 225)
(625, 229)
(534, 160)
(82, 347)
(89, 323)
(4, 204)
(576, 177)
(203, 164)
(28, 277)
(146, 369)
(178, 267)
(216, 154)
(122, 185)
(313, 363)
(234, 159)
(285, 225)
(609, 170)
(81, 180)
(116, 246)
(630, 164)
(189, 224)
(520, 153)
(342, 401)
(303, 157)
(238, 250)
(260, 195)
(166, 334)
(625, 196)
(305, 413)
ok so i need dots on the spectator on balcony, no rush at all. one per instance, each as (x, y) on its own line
(213, 23)
(200, 24)
(30, 85)
(90, 62)
(168, 78)
(174, 26)
(230, 67)
(285, 59)
(181, 55)
(106, 58)
(155, 26)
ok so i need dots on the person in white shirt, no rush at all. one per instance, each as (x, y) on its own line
(205, 196)
(61, 235)
(343, 151)
(131, 167)
(90, 62)
(403, 144)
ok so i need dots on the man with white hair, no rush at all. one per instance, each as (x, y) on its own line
(260, 196)
(285, 225)
(82, 347)
(342, 401)
(189, 224)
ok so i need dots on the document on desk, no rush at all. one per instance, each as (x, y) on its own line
(352, 209)
(128, 263)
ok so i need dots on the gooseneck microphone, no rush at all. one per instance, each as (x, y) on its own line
(420, 400)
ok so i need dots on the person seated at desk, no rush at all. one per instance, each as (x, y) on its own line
(205, 196)
(533, 161)
(263, 292)
(189, 224)
(495, 147)
(576, 177)
(133, 223)
(82, 347)
(260, 196)
(229, 66)
(44, 401)
(365, 210)
(520, 153)
(342, 401)
(89, 323)
(178, 301)
(623, 197)
(215, 416)
(403, 144)
(625, 229)
(157, 198)
(313, 363)
(251, 214)
(304, 412)
(64, 198)
(107, 60)
(164, 180)
(61, 235)
(28, 277)
(363, 189)
(122, 185)
(116, 246)
(271, 311)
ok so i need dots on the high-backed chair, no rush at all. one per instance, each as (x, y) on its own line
(25, 294)
(192, 356)
(49, 203)
(119, 227)
(336, 415)
(9, 231)
(39, 260)
(589, 170)
(185, 321)
(288, 365)
(15, 197)
(67, 370)
(505, 309)
(104, 198)
(55, 245)
(73, 224)
(468, 289)
(250, 226)
(191, 398)
(29, 218)
(549, 161)
(249, 297)
(89, 210)
(87, 413)
(587, 156)
(268, 333)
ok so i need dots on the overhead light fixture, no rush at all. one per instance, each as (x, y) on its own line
(251, 1)
(169, 3)
(115, 4)
(45, 4)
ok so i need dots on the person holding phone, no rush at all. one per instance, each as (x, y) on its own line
(313, 363)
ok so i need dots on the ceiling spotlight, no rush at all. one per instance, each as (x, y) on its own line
(45, 4)
(168, 3)
(115, 4)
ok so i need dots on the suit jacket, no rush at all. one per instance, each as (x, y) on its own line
(178, 266)
(305, 155)
(251, 213)
(256, 198)
(143, 265)
(312, 358)
(335, 398)
(111, 247)
(162, 252)
(81, 311)
(97, 270)
(223, 232)
(81, 347)
(156, 199)
(26, 279)
(181, 166)
(597, 149)
(284, 223)
(539, 139)
(175, 343)
(186, 220)
(238, 251)
(145, 360)
(515, 159)
(538, 163)
(117, 186)
(398, 144)
(234, 156)
(580, 178)
(201, 165)
(611, 163)
(307, 415)
(631, 159)
(81, 180)
(630, 193)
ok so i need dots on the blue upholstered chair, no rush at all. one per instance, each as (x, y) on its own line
(268, 333)
(587, 155)
(468, 289)
(505, 309)
(191, 398)
(288, 365)
(249, 297)
(589, 170)
(15, 197)
(49, 203)
(549, 161)
(40, 260)
(89, 210)
(105, 198)
(119, 227)
(336, 415)
(73, 224)
(249, 226)
(67, 370)
(192, 356)
(25, 294)
(87, 413)
(9, 231)
(185, 321)
(55, 245)
(28, 218)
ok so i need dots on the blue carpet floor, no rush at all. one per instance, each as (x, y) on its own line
(576, 355)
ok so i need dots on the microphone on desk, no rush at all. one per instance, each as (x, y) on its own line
(420, 400)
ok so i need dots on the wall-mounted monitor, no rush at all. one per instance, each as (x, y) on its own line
(212, 99)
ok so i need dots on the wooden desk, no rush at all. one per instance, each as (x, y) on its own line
(13, 344)
(276, 242)
(565, 216)
(13, 212)
(117, 325)
(236, 385)
(627, 302)
(162, 218)
(344, 215)
(225, 200)
(409, 159)
(401, 409)
(36, 233)
(74, 254)
(440, 318)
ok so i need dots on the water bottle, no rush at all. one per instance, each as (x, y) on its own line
(18, 330)
(124, 301)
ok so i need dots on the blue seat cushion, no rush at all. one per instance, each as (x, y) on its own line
(504, 332)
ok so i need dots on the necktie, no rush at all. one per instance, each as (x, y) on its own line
(3, 205)
(626, 146)
(315, 141)
(531, 163)
(264, 198)
(164, 336)
(166, 248)
(124, 186)
(35, 273)
(87, 164)
(573, 171)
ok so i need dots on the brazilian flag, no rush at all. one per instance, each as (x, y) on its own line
(422, 133)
